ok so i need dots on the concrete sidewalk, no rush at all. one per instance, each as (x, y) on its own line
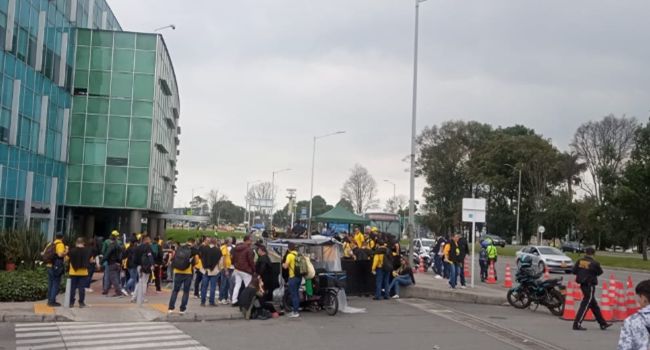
(102, 308)
(429, 288)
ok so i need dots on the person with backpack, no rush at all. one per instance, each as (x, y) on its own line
(184, 263)
(382, 267)
(112, 261)
(454, 261)
(635, 333)
(53, 256)
(210, 256)
(294, 278)
(144, 262)
(198, 276)
(243, 259)
(157, 250)
(483, 260)
(79, 257)
(132, 268)
(224, 274)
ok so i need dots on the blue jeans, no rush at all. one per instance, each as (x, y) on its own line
(437, 264)
(53, 284)
(210, 281)
(78, 283)
(106, 280)
(294, 289)
(224, 285)
(401, 280)
(462, 274)
(133, 279)
(91, 272)
(454, 271)
(381, 282)
(184, 281)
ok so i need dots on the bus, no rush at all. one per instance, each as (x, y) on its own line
(386, 222)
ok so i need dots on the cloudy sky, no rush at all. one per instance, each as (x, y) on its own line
(260, 78)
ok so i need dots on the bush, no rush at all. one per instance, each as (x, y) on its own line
(32, 244)
(23, 285)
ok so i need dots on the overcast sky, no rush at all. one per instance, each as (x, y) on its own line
(259, 78)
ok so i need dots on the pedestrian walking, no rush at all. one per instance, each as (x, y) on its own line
(53, 256)
(80, 257)
(210, 256)
(294, 279)
(198, 276)
(131, 267)
(144, 264)
(493, 255)
(243, 259)
(157, 250)
(403, 277)
(454, 261)
(483, 260)
(112, 259)
(635, 334)
(224, 274)
(587, 270)
(382, 266)
(183, 264)
(464, 251)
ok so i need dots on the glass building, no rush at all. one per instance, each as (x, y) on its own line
(88, 120)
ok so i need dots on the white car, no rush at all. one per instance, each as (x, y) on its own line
(543, 257)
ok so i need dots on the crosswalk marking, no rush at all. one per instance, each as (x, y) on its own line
(103, 336)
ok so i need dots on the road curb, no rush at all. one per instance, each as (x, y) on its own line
(465, 296)
(31, 318)
(192, 317)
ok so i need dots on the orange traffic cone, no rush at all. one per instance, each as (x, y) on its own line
(546, 274)
(491, 278)
(631, 304)
(467, 268)
(507, 283)
(620, 312)
(606, 304)
(569, 303)
(421, 264)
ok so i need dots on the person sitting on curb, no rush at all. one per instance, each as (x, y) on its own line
(636, 329)
(250, 301)
(403, 276)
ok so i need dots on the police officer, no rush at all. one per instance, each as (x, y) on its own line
(587, 271)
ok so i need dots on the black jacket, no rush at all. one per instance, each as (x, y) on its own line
(141, 250)
(464, 248)
(587, 271)
(210, 256)
(455, 252)
(264, 268)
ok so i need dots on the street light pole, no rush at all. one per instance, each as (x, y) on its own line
(273, 192)
(518, 201)
(413, 121)
(313, 165)
(172, 26)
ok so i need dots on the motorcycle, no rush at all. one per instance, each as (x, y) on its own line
(426, 259)
(532, 290)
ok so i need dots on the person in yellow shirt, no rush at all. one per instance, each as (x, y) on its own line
(358, 237)
(185, 260)
(294, 279)
(79, 258)
(378, 269)
(55, 268)
(224, 274)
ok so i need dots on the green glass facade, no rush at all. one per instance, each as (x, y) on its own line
(88, 119)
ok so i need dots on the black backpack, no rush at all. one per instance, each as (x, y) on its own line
(183, 258)
(387, 265)
(49, 254)
(146, 262)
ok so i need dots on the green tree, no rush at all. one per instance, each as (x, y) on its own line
(226, 212)
(345, 204)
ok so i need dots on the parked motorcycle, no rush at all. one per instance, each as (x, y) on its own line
(532, 290)
(426, 258)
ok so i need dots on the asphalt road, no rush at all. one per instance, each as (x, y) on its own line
(405, 324)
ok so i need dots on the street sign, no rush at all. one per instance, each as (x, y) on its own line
(303, 213)
(541, 229)
(474, 209)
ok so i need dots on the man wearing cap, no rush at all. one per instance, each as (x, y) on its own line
(587, 270)
(112, 252)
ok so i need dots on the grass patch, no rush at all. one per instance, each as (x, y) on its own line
(182, 235)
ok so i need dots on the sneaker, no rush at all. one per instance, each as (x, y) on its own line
(605, 326)
(438, 277)
(88, 290)
(294, 315)
(54, 304)
(125, 293)
(202, 304)
(197, 297)
(579, 328)
(170, 311)
(463, 287)
(82, 305)
(452, 287)
(396, 296)
(182, 312)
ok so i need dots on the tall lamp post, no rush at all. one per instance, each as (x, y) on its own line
(518, 201)
(413, 121)
(273, 192)
(171, 26)
(313, 164)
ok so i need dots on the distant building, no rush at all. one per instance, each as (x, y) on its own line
(88, 120)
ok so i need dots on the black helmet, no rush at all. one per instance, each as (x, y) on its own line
(525, 261)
